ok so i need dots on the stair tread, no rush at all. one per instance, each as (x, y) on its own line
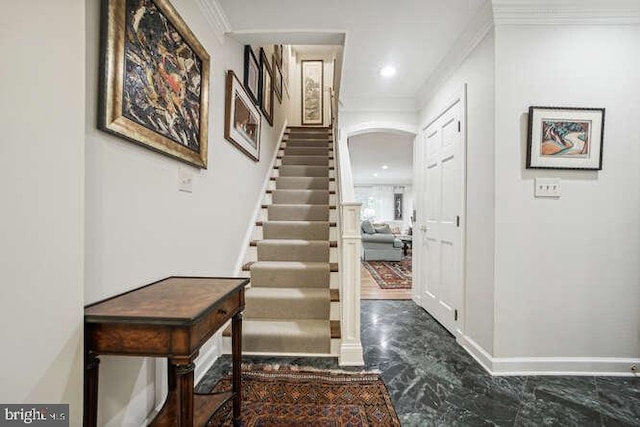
(264, 206)
(304, 242)
(296, 327)
(333, 266)
(320, 166)
(332, 243)
(330, 192)
(292, 222)
(287, 293)
(275, 178)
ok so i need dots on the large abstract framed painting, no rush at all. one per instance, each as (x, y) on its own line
(312, 92)
(565, 138)
(266, 88)
(252, 74)
(154, 87)
(242, 118)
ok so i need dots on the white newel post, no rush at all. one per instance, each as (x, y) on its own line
(351, 347)
(350, 241)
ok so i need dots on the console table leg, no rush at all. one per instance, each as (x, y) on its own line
(91, 371)
(183, 381)
(236, 349)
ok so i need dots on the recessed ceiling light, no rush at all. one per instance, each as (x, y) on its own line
(388, 71)
(375, 174)
(385, 167)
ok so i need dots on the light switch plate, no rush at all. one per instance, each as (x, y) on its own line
(547, 187)
(185, 180)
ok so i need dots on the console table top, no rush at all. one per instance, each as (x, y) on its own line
(174, 300)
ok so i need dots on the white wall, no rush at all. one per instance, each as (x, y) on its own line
(477, 72)
(41, 182)
(568, 270)
(140, 228)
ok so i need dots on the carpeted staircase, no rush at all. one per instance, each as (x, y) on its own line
(288, 305)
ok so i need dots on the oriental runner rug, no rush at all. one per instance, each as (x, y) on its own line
(288, 397)
(391, 274)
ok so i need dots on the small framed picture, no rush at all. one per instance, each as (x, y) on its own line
(277, 56)
(397, 206)
(252, 74)
(565, 138)
(266, 88)
(277, 81)
(242, 118)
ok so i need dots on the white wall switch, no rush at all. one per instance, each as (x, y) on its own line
(185, 180)
(547, 187)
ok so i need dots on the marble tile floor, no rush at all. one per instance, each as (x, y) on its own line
(434, 382)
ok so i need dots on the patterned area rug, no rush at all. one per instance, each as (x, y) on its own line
(391, 274)
(284, 396)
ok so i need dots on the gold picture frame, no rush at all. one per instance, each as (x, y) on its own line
(154, 87)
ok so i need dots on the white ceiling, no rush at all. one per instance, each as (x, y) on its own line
(413, 35)
(369, 152)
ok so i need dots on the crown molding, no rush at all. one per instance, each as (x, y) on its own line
(216, 17)
(473, 34)
(573, 12)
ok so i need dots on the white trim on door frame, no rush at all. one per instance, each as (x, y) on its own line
(460, 97)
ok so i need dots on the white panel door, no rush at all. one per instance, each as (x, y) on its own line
(441, 219)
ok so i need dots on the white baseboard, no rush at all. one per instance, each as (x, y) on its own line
(416, 298)
(594, 366)
(206, 359)
(591, 366)
(351, 354)
(477, 352)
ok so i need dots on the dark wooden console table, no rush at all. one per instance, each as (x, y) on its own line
(171, 318)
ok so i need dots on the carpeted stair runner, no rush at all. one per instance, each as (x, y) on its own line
(288, 304)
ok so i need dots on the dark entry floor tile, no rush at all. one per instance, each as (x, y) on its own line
(433, 381)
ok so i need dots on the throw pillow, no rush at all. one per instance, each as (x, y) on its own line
(367, 227)
(383, 229)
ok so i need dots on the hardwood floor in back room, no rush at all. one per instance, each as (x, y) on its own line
(369, 290)
(434, 382)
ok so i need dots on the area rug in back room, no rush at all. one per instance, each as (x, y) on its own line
(287, 397)
(391, 274)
